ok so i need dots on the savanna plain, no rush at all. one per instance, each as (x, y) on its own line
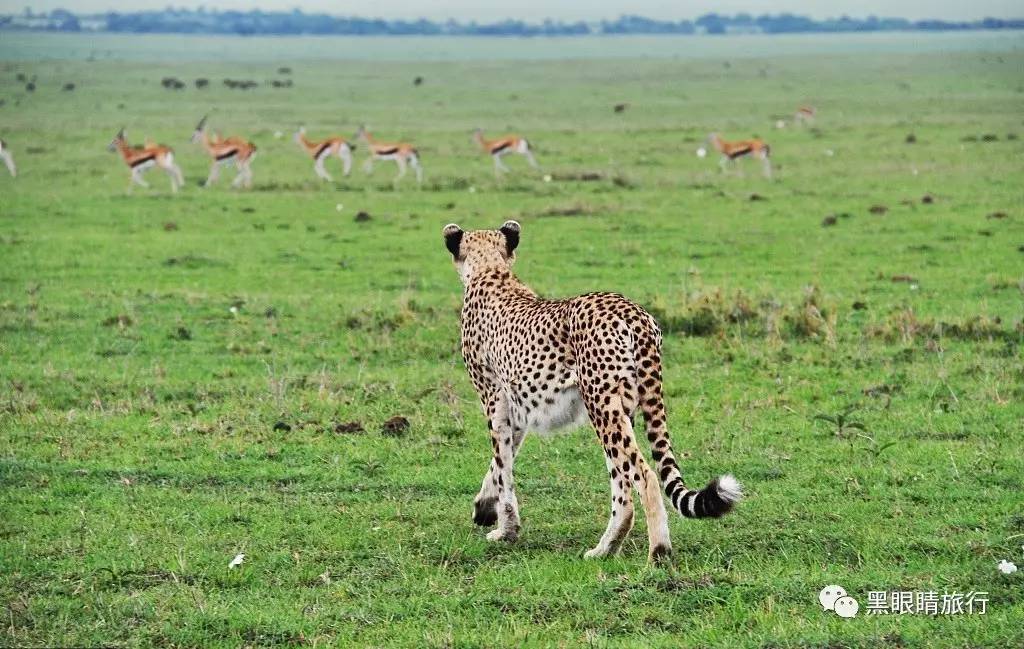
(185, 378)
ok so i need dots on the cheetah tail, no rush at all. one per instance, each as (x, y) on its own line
(719, 496)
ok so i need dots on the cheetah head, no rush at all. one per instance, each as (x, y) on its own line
(477, 250)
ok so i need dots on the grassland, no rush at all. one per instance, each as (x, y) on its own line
(177, 372)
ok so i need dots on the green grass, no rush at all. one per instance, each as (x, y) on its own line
(138, 448)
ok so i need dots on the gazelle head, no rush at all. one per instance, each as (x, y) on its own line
(477, 250)
(362, 135)
(299, 134)
(478, 135)
(197, 135)
(117, 140)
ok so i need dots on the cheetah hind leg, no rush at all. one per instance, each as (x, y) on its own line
(621, 521)
(629, 470)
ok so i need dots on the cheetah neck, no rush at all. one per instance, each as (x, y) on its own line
(496, 281)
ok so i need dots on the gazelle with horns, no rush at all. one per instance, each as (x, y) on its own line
(224, 151)
(321, 151)
(404, 154)
(503, 146)
(141, 158)
(5, 154)
(732, 151)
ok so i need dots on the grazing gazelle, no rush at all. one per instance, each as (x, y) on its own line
(5, 153)
(225, 151)
(805, 114)
(503, 146)
(402, 153)
(141, 158)
(320, 151)
(732, 150)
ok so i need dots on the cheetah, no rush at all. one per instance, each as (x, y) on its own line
(539, 365)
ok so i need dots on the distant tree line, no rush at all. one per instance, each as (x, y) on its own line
(202, 21)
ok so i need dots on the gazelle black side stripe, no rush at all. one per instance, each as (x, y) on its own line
(228, 154)
(142, 161)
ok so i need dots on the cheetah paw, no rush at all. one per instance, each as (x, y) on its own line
(502, 535)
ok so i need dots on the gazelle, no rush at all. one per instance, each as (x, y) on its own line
(321, 151)
(225, 151)
(733, 150)
(141, 158)
(805, 114)
(503, 146)
(5, 153)
(402, 153)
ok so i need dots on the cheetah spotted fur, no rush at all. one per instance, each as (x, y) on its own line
(543, 364)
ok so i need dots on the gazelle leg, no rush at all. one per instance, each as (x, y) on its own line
(723, 163)
(531, 159)
(499, 166)
(368, 165)
(137, 178)
(318, 166)
(9, 161)
(248, 173)
(346, 160)
(767, 163)
(180, 177)
(169, 170)
(401, 168)
(214, 174)
(415, 162)
(240, 176)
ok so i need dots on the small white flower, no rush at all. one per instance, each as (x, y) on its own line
(829, 152)
(701, 152)
(780, 124)
(547, 178)
(233, 310)
(339, 207)
(472, 190)
(914, 171)
(1007, 567)
(237, 561)
(278, 134)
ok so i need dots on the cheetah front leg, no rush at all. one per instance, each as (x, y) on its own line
(496, 502)
(485, 505)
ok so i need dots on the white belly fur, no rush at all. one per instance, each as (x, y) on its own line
(567, 411)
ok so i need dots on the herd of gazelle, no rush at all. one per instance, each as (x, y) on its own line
(240, 152)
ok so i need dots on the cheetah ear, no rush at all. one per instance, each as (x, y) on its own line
(511, 231)
(452, 238)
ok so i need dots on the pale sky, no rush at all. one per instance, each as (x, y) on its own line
(534, 10)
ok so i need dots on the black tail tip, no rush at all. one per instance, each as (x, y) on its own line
(720, 496)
